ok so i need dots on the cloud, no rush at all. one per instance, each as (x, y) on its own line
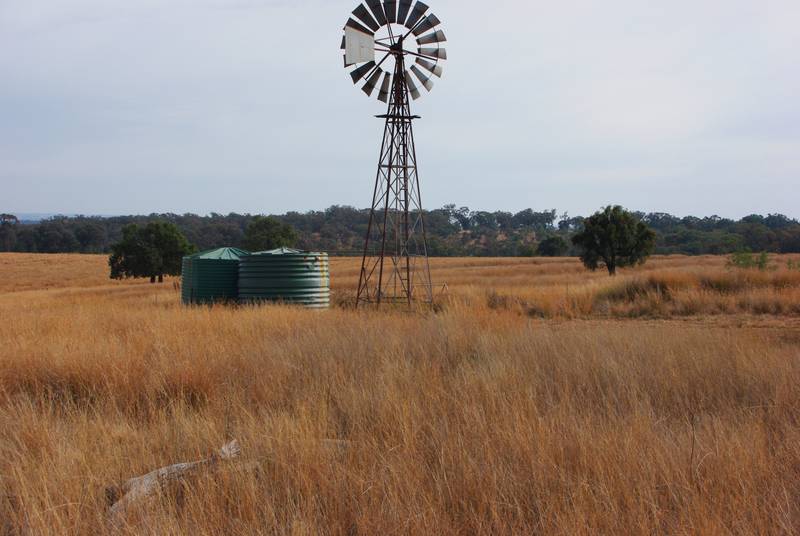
(243, 106)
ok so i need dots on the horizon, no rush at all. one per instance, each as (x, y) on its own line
(35, 217)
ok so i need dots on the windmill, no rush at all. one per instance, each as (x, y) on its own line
(380, 40)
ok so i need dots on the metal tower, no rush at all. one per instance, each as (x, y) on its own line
(395, 266)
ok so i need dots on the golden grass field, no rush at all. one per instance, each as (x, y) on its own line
(538, 399)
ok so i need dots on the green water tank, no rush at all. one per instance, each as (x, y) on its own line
(285, 275)
(211, 276)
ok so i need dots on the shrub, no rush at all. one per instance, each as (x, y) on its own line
(746, 260)
(661, 285)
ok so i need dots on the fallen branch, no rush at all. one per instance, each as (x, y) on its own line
(122, 497)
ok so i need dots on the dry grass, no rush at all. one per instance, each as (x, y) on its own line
(480, 419)
(28, 271)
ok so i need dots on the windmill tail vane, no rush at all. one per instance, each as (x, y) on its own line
(395, 266)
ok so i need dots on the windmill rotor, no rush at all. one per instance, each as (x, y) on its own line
(377, 31)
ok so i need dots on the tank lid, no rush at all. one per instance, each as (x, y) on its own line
(231, 254)
(286, 251)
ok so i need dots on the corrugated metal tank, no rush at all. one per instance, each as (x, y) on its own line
(286, 275)
(211, 276)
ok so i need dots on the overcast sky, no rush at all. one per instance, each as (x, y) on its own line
(686, 106)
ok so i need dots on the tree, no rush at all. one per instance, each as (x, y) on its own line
(757, 236)
(614, 238)
(526, 250)
(790, 241)
(661, 220)
(482, 220)
(55, 236)
(779, 221)
(267, 232)
(539, 221)
(153, 251)
(504, 220)
(8, 232)
(459, 217)
(555, 246)
(91, 235)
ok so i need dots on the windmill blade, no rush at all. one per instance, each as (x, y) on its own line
(377, 11)
(424, 80)
(356, 26)
(432, 67)
(428, 23)
(416, 14)
(402, 11)
(435, 37)
(359, 46)
(390, 8)
(362, 71)
(363, 15)
(369, 87)
(383, 94)
(344, 43)
(433, 52)
(412, 87)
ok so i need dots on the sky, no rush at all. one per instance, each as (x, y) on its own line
(120, 107)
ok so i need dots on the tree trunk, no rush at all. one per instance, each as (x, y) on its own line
(160, 278)
(152, 279)
(611, 264)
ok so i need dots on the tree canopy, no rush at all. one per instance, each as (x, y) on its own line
(555, 246)
(614, 238)
(153, 251)
(265, 233)
(8, 235)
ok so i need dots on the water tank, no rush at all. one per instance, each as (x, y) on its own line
(285, 275)
(211, 276)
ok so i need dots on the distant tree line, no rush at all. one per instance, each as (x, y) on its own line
(451, 230)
